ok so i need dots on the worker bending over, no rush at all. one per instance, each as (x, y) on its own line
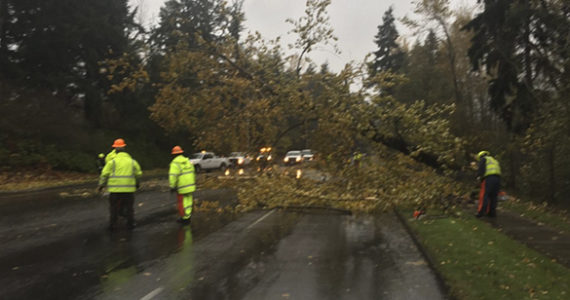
(489, 173)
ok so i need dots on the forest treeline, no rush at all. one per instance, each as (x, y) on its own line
(76, 74)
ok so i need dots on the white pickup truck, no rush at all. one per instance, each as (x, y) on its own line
(208, 161)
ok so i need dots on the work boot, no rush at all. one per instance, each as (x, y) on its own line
(479, 215)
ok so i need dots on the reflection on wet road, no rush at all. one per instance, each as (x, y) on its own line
(258, 255)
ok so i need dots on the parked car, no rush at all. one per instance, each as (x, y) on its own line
(208, 161)
(307, 154)
(293, 157)
(239, 159)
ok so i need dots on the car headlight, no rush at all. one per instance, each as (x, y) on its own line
(286, 159)
(298, 159)
(240, 161)
(269, 157)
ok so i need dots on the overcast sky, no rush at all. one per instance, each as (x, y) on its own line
(355, 22)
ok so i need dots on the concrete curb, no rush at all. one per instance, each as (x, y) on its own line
(430, 261)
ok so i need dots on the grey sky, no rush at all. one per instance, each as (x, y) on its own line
(355, 23)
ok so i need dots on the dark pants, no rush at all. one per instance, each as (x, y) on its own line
(489, 191)
(119, 203)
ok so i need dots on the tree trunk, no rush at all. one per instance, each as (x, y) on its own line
(527, 57)
(513, 162)
(551, 175)
(3, 22)
(452, 64)
(305, 50)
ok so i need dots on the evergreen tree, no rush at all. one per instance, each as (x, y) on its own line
(186, 20)
(389, 56)
(431, 46)
(4, 17)
(237, 17)
(427, 74)
(57, 45)
(524, 46)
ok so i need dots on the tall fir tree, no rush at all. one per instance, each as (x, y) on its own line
(187, 20)
(57, 45)
(389, 56)
(523, 45)
(426, 73)
(4, 19)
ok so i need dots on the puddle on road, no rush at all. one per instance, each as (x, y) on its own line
(323, 256)
(67, 268)
(320, 254)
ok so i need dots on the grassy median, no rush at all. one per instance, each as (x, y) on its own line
(479, 262)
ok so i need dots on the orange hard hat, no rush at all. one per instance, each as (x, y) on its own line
(177, 150)
(119, 143)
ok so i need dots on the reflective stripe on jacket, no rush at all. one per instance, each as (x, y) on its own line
(492, 166)
(121, 174)
(181, 175)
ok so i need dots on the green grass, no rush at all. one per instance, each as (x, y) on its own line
(478, 262)
(540, 213)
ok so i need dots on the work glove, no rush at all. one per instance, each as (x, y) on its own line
(100, 189)
(173, 190)
(138, 185)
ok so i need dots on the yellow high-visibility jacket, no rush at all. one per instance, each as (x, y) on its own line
(121, 174)
(181, 175)
(110, 156)
(492, 166)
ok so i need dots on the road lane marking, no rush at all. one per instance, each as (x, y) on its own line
(261, 219)
(153, 293)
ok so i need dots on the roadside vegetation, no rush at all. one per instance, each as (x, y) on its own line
(477, 261)
(200, 80)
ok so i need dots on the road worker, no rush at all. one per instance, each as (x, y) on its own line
(182, 182)
(489, 172)
(100, 161)
(123, 210)
(121, 176)
(357, 159)
(113, 152)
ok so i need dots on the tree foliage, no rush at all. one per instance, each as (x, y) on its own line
(57, 46)
(436, 14)
(388, 57)
(206, 85)
(524, 46)
(188, 21)
(311, 29)
(426, 74)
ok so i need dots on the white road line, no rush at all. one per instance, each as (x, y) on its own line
(153, 293)
(260, 219)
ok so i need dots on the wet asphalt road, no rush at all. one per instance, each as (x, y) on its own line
(54, 248)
